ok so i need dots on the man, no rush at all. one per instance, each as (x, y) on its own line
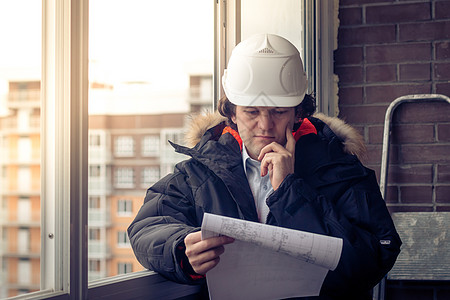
(268, 160)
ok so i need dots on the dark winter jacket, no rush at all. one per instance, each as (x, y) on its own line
(331, 193)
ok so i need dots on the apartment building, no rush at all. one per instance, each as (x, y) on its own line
(127, 154)
(20, 190)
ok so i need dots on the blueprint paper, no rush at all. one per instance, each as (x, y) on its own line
(268, 262)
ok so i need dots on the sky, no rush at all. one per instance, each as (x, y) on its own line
(147, 41)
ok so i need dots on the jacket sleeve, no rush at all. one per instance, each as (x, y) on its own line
(358, 215)
(157, 233)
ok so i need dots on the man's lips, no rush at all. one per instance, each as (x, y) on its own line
(264, 137)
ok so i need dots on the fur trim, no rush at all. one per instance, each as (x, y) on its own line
(353, 141)
(351, 138)
(199, 124)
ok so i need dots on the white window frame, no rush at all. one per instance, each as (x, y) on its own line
(124, 177)
(124, 267)
(150, 145)
(122, 240)
(124, 207)
(124, 146)
(64, 145)
(149, 176)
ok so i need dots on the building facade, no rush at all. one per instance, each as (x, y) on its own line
(127, 154)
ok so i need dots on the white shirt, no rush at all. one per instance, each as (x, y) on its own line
(260, 186)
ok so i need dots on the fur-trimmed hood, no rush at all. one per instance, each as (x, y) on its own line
(352, 139)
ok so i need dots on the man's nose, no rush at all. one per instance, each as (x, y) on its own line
(265, 121)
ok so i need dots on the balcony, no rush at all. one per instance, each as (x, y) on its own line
(98, 249)
(11, 125)
(98, 218)
(24, 99)
(99, 186)
(99, 155)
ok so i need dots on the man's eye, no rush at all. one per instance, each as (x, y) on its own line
(280, 112)
(252, 112)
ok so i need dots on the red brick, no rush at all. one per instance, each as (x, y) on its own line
(443, 208)
(376, 134)
(350, 16)
(412, 133)
(381, 73)
(443, 88)
(360, 2)
(363, 114)
(416, 194)
(352, 74)
(391, 194)
(410, 173)
(398, 13)
(398, 53)
(433, 112)
(444, 133)
(348, 56)
(393, 208)
(415, 72)
(442, 71)
(388, 93)
(367, 35)
(442, 11)
(350, 95)
(425, 153)
(443, 194)
(443, 173)
(426, 31)
(442, 50)
(374, 154)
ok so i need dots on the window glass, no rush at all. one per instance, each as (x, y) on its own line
(124, 146)
(284, 18)
(124, 207)
(20, 82)
(150, 145)
(150, 67)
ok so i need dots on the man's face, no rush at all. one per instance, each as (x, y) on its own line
(259, 126)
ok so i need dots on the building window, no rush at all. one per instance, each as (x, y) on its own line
(122, 239)
(124, 177)
(94, 171)
(125, 207)
(150, 145)
(94, 140)
(94, 265)
(24, 271)
(94, 234)
(123, 268)
(124, 146)
(94, 202)
(149, 176)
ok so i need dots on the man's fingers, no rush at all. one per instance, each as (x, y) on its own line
(290, 141)
(204, 254)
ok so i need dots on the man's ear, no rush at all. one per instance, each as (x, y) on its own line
(233, 118)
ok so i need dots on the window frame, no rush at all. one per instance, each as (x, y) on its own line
(65, 139)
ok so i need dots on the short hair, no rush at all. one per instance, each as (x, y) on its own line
(304, 110)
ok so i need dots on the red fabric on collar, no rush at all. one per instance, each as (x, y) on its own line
(234, 133)
(305, 128)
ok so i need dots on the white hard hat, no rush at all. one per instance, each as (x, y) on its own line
(265, 70)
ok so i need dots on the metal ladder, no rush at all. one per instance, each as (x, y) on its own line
(379, 289)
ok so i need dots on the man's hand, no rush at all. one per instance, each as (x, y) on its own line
(277, 160)
(205, 254)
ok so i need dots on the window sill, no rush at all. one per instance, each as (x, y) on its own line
(138, 285)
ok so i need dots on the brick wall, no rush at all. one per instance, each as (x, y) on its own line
(387, 49)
